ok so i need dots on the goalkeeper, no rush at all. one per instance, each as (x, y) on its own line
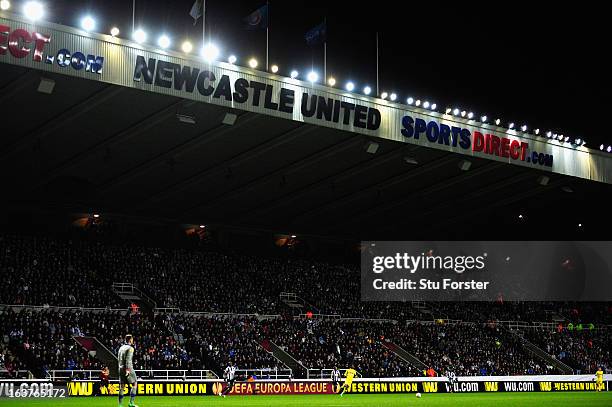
(127, 375)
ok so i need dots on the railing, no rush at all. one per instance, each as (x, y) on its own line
(129, 288)
(159, 375)
(317, 316)
(15, 374)
(288, 297)
(322, 373)
(39, 308)
(377, 320)
(269, 373)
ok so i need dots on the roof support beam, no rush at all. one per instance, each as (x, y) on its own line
(199, 140)
(291, 168)
(134, 130)
(80, 108)
(355, 170)
(398, 179)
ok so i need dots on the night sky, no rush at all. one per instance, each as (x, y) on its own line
(544, 68)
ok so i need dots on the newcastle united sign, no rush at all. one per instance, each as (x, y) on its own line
(64, 50)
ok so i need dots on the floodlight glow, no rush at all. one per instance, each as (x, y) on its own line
(367, 90)
(549, 134)
(253, 63)
(294, 74)
(417, 103)
(187, 47)
(164, 41)
(497, 121)
(210, 52)
(601, 147)
(511, 126)
(114, 31)
(463, 113)
(331, 81)
(140, 36)
(392, 97)
(312, 77)
(426, 104)
(232, 59)
(433, 106)
(384, 95)
(524, 127)
(448, 110)
(5, 4)
(350, 86)
(410, 100)
(274, 68)
(483, 119)
(33, 10)
(88, 23)
(456, 111)
(536, 131)
(470, 115)
(609, 149)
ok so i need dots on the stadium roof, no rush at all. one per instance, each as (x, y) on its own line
(122, 142)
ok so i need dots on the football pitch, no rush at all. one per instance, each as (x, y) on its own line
(353, 400)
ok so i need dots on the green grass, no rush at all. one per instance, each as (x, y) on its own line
(352, 400)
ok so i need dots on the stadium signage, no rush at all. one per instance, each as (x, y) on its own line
(242, 91)
(20, 43)
(364, 386)
(461, 137)
(64, 50)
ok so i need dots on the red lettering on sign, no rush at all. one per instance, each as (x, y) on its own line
(15, 38)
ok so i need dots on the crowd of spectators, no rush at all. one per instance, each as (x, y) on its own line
(323, 344)
(583, 349)
(469, 349)
(43, 271)
(46, 336)
(53, 272)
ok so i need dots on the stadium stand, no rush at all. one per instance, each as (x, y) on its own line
(217, 306)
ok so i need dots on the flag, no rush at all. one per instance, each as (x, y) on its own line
(197, 10)
(317, 35)
(258, 19)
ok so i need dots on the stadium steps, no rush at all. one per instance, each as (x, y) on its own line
(405, 355)
(100, 352)
(299, 370)
(131, 293)
(542, 354)
(297, 304)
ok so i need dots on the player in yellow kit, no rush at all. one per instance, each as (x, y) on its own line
(599, 379)
(349, 374)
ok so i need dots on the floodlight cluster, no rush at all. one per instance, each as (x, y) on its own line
(35, 10)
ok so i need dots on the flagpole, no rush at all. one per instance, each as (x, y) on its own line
(133, 16)
(377, 64)
(203, 23)
(325, 62)
(267, 34)
(325, 53)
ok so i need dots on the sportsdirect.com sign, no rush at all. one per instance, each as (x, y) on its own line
(89, 388)
(64, 50)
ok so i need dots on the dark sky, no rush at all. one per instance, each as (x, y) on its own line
(547, 68)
